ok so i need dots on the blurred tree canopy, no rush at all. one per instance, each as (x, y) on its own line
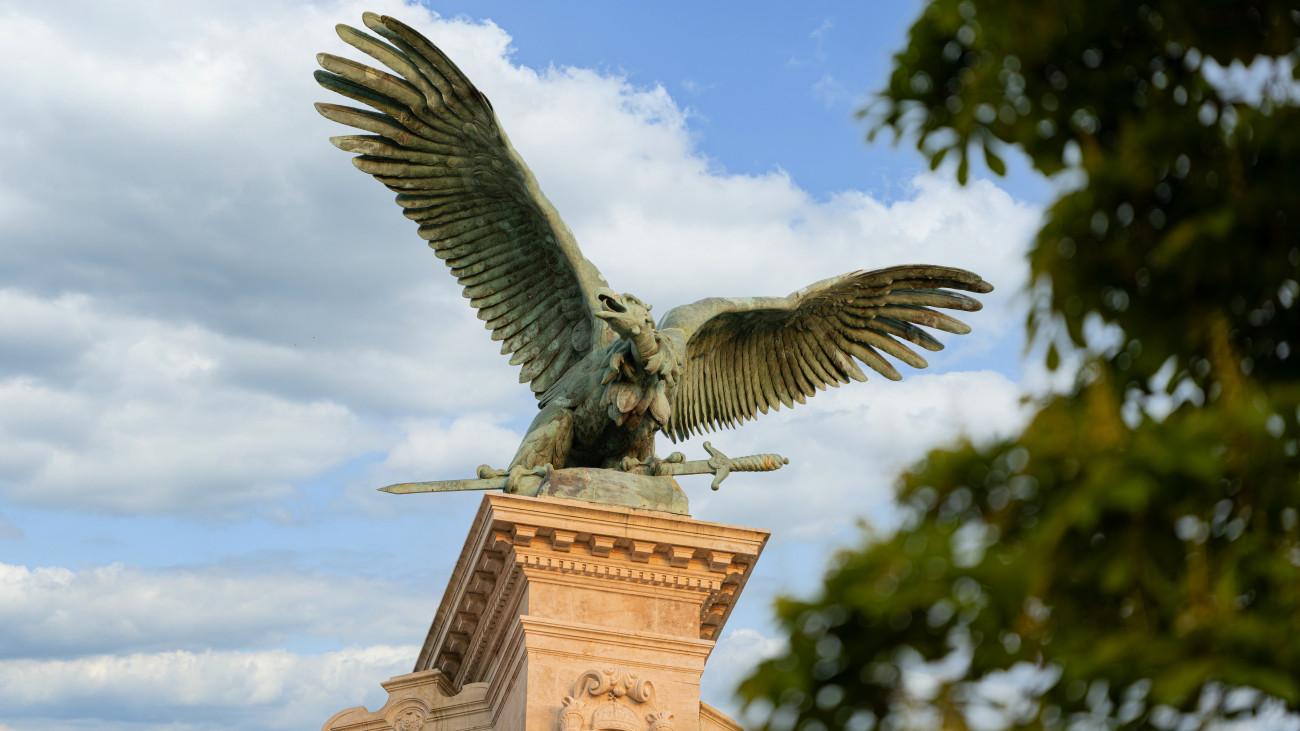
(1132, 559)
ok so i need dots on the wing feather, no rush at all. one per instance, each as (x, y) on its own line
(790, 361)
(730, 385)
(929, 318)
(707, 375)
(517, 282)
(510, 323)
(435, 140)
(476, 251)
(490, 313)
(744, 391)
(503, 283)
(793, 379)
(548, 377)
(889, 345)
(812, 362)
(439, 70)
(698, 388)
(838, 349)
(464, 222)
(748, 355)
(405, 117)
(455, 209)
(383, 125)
(389, 56)
(765, 355)
(753, 385)
(722, 390)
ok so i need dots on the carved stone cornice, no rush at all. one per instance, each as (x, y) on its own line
(517, 540)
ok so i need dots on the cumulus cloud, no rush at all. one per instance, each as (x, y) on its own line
(54, 612)
(846, 447)
(204, 307)
(734, 657)
(449, 449)
(236, 310)
(270, 689)
(132, 414)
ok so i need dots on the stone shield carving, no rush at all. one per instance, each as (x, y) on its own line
(627, 704)
(412, 719)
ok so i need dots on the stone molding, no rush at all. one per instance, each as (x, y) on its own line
(711, 719)
(556, 637)
(416, 701)
(515, 540)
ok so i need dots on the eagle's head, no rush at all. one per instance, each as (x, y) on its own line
(627, 315)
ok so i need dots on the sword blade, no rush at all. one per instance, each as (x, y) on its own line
(404, 488)
(693, 467)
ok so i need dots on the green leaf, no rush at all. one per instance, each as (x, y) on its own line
(994, 162)
(1131, 547)
(937, 158)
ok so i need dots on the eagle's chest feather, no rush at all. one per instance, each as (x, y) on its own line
(633, 389)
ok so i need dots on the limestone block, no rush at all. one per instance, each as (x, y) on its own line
(567, 615)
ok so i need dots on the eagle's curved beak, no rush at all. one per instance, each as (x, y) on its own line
(613, 304)
(627, 316)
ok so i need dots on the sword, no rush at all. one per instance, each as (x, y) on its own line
(718, 464)
(490, 483)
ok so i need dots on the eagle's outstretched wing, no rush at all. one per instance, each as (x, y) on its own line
(438, 144)
(744, 356)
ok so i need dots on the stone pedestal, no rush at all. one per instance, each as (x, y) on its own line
(564, 615)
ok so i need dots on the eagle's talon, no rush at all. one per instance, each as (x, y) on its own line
(521, 480)
(663, 467)
(487, 473)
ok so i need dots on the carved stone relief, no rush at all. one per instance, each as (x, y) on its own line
(411, 719)
(627, 704)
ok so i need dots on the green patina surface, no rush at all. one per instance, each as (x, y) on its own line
(607, 377)
(610, 487)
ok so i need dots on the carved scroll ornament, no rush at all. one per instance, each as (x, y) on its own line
(620, 689)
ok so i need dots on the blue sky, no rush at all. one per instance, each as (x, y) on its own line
(769, 85)
(217, 338)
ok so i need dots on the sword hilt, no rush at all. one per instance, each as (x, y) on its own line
(723, 465)
(758, 463)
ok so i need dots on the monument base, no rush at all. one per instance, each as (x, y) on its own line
(567, 615)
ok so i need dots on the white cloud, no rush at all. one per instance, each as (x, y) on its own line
(131, 414)
(55, 612)
(847, 445)
(734, 657)
(270, 689)
(432, 448)
(228, 328)
(203, 306)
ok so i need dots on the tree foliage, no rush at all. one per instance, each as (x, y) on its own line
(1118, 564)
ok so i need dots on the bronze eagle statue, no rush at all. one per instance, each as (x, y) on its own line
(607, 378)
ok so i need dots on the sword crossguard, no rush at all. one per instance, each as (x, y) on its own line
(722, 465)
